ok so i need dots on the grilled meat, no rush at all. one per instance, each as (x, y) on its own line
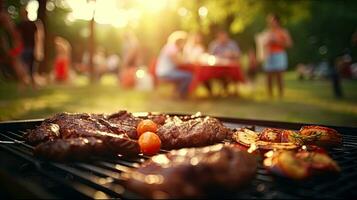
(42, 133)
(192, 172)
(197, 132)
(124, 122)
(82, 148)
(174, 132)
(159, 119)
(72, 135)
(66, 125)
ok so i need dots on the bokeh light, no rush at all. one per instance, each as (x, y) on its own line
(31, 9)
(203, 11)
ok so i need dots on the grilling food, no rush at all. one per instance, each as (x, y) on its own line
(82, 148)
(322, 136)
(273, 138)
(66, 125)
(299, 165)
(291, 154)
(71, 136)
(277, 135)
(149, 143)
(251, 139)
(124, 122)
(192, 172)
(44, 132)
(177, 133)
(146, 125)
(61, 131)
(316, 135)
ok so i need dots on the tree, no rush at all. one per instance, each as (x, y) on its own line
(41, 14)
(320, 29)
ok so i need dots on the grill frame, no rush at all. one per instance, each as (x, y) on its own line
(100, 178)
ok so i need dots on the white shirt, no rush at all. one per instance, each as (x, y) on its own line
(164, 63)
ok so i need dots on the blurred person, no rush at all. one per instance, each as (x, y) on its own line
(304, 71)
(252, 65)
(32, 39)
(131, 50)
(227, 51)
(193, 49)
(131, 59)
(276, 61)
(100, 62)
(170, 58)
(261, 41)
(224, 47)
(343, 64)
(62, 59)
(113, 62)
(84, 65)
(11, 46)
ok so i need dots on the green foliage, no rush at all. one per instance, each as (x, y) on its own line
(319, 29)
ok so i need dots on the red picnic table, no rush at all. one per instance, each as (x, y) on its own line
(204, 72)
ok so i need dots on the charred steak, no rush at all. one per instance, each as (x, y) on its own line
(82, 148)
(176, 133)
(192, 172)
(66, 136)
(93, 133)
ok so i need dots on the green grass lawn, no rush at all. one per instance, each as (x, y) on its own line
(304, 101)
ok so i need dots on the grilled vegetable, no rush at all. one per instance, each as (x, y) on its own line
(321, 136)
(271, 135)
(149, 143)
(299, 165)
(250, 139)
(318, 161)
(245, 137)
(284, 163)
(146, 125)
(276, 145)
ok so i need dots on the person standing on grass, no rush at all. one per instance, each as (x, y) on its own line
(170, 58)
(62, 59)
(276, 61)
(32, 37)
(132, 59)
(11, 46)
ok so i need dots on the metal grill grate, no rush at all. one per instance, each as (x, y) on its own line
(101, 178)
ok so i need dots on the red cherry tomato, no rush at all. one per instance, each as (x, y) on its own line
(149, 143)
(146, 125)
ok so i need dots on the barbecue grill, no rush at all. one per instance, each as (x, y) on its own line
(22, 175)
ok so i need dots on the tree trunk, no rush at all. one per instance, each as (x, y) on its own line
(91, 42)
(41, 13)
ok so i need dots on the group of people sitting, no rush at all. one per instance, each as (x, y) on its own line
(26, 42)
(181, 49)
